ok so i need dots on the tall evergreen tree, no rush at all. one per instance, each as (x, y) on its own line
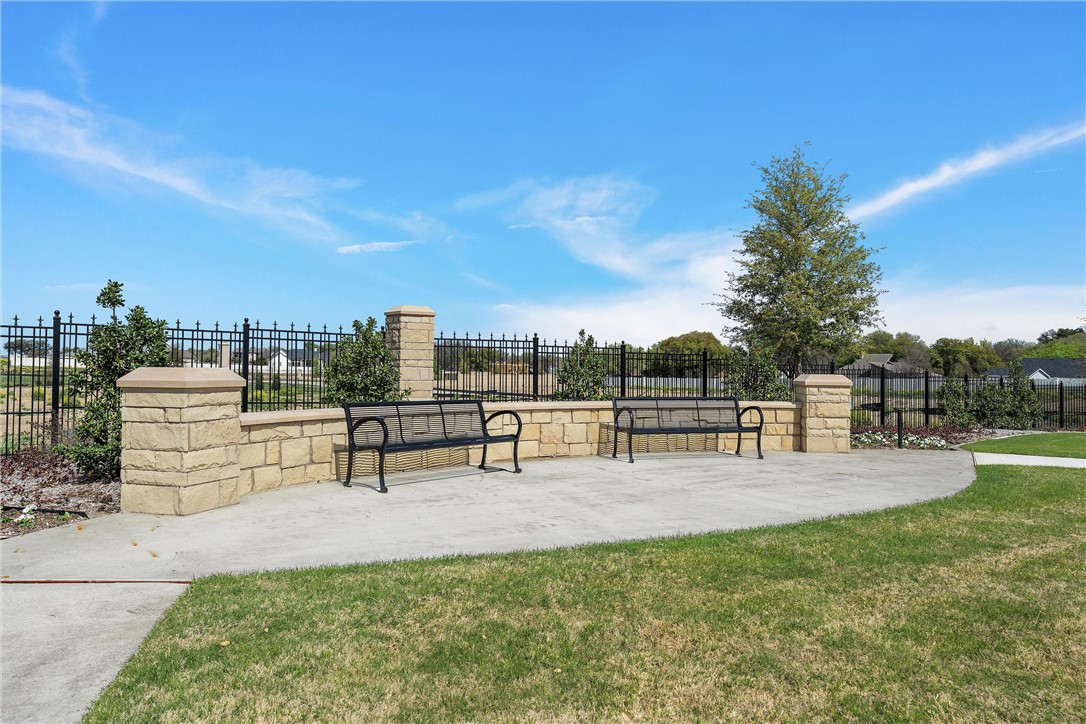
(806, 283)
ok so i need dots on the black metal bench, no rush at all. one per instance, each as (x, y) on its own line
(389, 427)
(683, 416)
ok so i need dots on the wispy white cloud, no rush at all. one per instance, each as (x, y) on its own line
(376, 246)
(956, 171)
(286, 198)
(482, 281)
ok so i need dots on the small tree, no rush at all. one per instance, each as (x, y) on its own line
(363, 369)
(806, 283)
(113, 350)
(583, 375)
(754, 375)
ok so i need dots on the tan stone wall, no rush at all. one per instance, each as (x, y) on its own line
(569, 429)
(179, 440)
(824, 402)
(410, 334)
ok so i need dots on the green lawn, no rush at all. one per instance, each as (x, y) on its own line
(1050, 444)
(968, 608)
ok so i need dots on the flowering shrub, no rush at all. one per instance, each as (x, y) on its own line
(912, 441)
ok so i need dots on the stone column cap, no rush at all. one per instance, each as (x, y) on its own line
(181, 378)
(822, 381)
(412, 311)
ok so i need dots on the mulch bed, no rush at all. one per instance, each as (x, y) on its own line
(54, 487)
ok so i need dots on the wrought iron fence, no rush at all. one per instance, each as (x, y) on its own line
(282, 367)
(524, 368)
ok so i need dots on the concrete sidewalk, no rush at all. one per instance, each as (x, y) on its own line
(63, 642)
(1029, 460)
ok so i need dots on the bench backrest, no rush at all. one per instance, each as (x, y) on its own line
(676, 412)
(416, 422)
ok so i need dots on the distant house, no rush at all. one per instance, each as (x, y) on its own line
(1068, 370)
(279, 360)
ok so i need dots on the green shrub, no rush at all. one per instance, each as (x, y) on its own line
(583, 375)
(754, 375)
(363, 369)
(38, 393)
(1013, 405)
(113, 350)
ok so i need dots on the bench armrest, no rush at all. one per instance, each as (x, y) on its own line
(499, 413)
(629, 411)
(358, 423)
(745, 410)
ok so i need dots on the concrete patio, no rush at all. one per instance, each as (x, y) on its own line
(65, 640)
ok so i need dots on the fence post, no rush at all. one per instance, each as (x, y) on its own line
(54, 425)
(1060, 388)
(411, 340)
(535, 367)
(705, 373)
(882, 395)
(245, 365)
(927, 398)
(622, 371)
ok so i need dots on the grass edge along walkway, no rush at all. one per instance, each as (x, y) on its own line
(971, 607)
(1046, 444)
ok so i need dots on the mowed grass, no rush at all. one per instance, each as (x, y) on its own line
(1050, 444)
(968, 608)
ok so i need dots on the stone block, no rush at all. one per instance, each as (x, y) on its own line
(143, 414)
(155, 436)
(216, 457)
(251, 455)
(562, 416)
(198, 498)
(580, 449)
(322, 449)
(214, 433)
(528, 449)
(548, 449)
(271, 452)
(295, 452)
(575, 434)
(245, 483)
(583, 416)
(530, 431)
(268, 477)
(294, 476)
(210, 412)
(551, 434)
(152, 399)
(229, 492)
(274, 432)
(154, 499)
(319, 471)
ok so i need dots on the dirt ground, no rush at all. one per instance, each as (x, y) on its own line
(54, 487)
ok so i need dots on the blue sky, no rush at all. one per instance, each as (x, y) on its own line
(534, 167)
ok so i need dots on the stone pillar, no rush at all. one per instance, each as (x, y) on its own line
(410, 334)
(824, 412)
(180, 430)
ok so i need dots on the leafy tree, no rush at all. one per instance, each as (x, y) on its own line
(1012, 349)
(1054, 334)
(364, 369)
(113, 350)
(1072, 345)
(806, 282)
(908, 350)
(754, 375)
(673, 357)
(28, 347)
(959, 357)
(583, 375)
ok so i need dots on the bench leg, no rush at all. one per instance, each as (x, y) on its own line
(482, 463)
(614, 448)
(350, 467)
(759, 439)
(629, 443)
(381, 470)
(738, 444)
